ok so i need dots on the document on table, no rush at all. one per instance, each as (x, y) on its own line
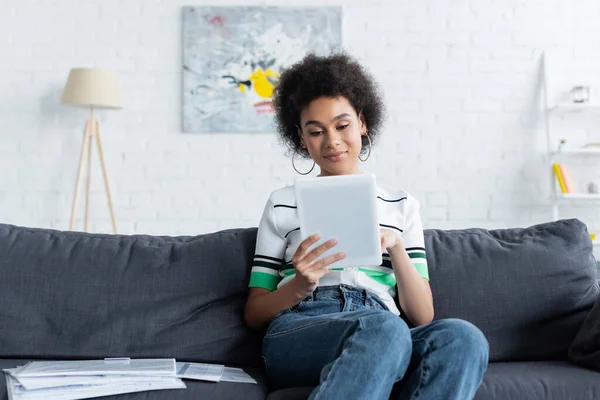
(199, 371)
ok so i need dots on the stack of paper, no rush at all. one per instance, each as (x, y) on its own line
(93, 378)
(212, 373)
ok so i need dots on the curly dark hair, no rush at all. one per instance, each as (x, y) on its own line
(315, 76)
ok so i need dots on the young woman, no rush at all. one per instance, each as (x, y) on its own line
(340, 330)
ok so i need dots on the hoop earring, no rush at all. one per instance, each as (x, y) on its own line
(369, 153)
(296, 169)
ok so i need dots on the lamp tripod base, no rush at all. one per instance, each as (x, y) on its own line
(91, 131)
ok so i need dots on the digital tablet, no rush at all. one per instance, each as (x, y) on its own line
(344, 208)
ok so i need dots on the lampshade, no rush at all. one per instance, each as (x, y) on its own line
(92, 87)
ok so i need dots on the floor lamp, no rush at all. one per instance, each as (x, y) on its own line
(91, 88)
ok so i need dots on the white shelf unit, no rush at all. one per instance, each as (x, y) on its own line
(574, 107)
(574, 152)
(555, 153)
(577, 196)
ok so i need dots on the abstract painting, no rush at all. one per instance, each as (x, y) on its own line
(232, 57)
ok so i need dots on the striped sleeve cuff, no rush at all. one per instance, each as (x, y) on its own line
(419, 259)
(265, 272)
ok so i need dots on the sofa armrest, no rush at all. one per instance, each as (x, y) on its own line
(585, 349)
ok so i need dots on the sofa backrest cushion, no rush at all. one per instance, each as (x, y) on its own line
(81, 295)
(527, 289)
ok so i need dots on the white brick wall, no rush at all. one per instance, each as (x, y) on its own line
(461, 79)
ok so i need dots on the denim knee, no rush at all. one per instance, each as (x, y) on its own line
(466, 338)
(389, 331)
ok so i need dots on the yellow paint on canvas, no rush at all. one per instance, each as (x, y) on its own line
(260, 80)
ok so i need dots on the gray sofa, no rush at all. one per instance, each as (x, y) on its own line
(73, 295)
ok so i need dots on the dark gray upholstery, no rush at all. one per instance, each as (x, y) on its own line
(539, 380)
(79, 295)
(73, 295)
(585, 349)
(528, 290)
(297, 393)
(532, 380)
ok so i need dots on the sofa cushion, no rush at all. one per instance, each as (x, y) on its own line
(585, 349)
(527, 289)
(195, 389)
(296, 393)
(538, 380)
(82, 295)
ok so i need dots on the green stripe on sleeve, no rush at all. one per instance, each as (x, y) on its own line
(288, 272)
(422, 269)
(417, 255)
(263, 280)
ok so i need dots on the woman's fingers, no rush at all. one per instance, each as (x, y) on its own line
(321, 264)
(301, 250)
(313, 273)
(322, 272)
(315, 253)
(303, 262)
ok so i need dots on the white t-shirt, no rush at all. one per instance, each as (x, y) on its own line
(279, 237)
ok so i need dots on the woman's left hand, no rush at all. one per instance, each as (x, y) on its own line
(390, 240)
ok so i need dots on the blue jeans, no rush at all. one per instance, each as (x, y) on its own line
(345, 341)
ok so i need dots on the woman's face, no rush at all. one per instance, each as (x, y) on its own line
(331, 131)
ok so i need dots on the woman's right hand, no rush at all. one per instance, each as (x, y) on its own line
(309, 272)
